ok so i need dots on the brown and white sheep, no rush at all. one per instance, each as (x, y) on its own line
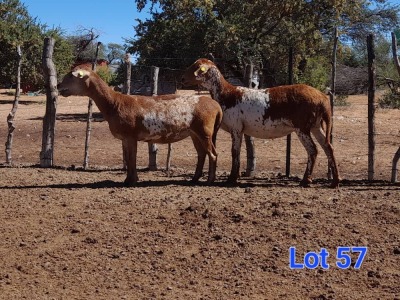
(271, 113)
(142, 118)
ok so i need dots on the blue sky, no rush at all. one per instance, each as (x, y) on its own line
(114, 20)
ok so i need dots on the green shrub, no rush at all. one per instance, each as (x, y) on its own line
(390, 99)
(105, 74)
(341, 100)
(316, 73)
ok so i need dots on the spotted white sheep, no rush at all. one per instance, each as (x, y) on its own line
(271, 113)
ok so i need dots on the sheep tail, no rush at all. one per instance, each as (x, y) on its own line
(217, 124)
(327, 118)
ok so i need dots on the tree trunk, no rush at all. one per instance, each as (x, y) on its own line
(90, 116)
(371, 106)
(49, 120)
(11, 115)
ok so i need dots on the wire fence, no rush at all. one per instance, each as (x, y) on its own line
(29, 132)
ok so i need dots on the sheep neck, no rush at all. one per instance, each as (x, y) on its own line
(103, 96)
(220, 89)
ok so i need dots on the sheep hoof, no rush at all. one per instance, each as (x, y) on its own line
(232, 181)
(210, 181)
(195, 179)
(305, 183)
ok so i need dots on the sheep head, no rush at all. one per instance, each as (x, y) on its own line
(197, 73)
(75, 83)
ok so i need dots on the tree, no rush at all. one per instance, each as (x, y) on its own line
(114, 53)
(17, 27)
(260, 31)
(84, 43)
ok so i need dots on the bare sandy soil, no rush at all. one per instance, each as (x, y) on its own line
(73, 234)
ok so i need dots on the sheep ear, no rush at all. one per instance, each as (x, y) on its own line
(80, 73)
(202, 69)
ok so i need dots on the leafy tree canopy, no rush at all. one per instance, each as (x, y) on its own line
(261, 31)
(17, 27)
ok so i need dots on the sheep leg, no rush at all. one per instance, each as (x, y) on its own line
(236, 145)
(209, 147)
(328, 149)
(212, 158)
(131, 151)
(311, 148)
(201, 157)
(251, 155)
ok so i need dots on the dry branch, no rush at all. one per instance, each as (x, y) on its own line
(11, 115)
(90, 116)
(394, 51)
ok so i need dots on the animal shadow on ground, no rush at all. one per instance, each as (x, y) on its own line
(183, 179)
(96, 117)
(22, 102)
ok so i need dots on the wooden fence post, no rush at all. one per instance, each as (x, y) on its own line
(394, 53)
(49, 120)
(249, 140)
(394, 165)
(127, 91)
(154, 80)
(289, 136)
(397, 64)
(11, 115)
(248, 74)
(371, 106)
(90, 116)
(332, 93)
(153, 147)
(128, 74)
(152, 156)
(168, 163)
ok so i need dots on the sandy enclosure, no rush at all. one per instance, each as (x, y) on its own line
(73, 234)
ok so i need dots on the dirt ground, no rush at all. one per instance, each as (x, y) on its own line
(67, 233)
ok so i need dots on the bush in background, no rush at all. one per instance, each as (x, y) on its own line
(316, 73)
(105, 74)
(341, 100)
(390, 99)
